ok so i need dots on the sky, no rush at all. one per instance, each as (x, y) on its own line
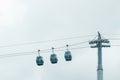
(26, 21)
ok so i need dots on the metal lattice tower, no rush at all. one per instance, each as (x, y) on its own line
(98, 44)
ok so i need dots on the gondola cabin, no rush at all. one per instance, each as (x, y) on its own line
(53, 58)
(68, 56)
(39, 60)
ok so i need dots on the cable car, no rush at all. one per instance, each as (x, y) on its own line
(68, 56)
(39, 60)
(53, 58)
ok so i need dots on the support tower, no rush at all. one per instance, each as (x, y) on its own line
(98, 44)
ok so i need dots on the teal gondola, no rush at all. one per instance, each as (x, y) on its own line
(39, 59)
(53, 57)
(67, 55)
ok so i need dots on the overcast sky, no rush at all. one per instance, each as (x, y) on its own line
(24, 21)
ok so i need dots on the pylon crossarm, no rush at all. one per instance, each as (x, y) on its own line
(105, 41)
(93, 42)
(105, 45)
(93, 46)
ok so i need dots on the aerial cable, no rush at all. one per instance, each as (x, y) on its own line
(34, 52)
(114, 38)
(72, 45)
(17, 54)
(45, 41)
(44, 50)
(115, 45)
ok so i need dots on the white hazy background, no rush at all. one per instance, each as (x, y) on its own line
(24, 21)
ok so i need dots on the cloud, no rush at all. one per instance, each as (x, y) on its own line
(11, 12)
(36, 20)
